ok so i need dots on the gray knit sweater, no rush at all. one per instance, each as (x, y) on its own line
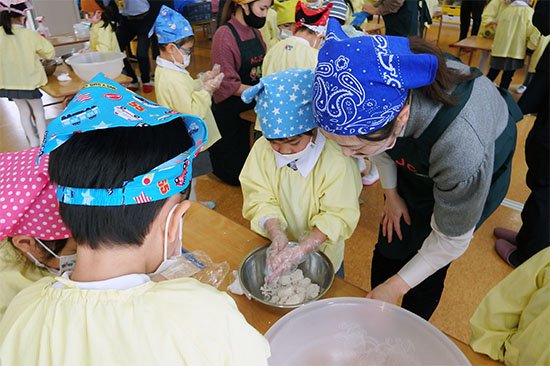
(461, 161)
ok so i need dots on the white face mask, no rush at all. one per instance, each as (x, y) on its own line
(285, 33)
(66, 262)
(186, 60)
(289, 158)
(317, 4)
(168, 260)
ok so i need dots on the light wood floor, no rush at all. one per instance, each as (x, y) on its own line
(469, 278)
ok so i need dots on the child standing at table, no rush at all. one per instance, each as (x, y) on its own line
(301, 49)
(297, 185)
(176, 89)
(34, 241)
(123, 179)
(21, 73)
(102, 31)
(515, 33)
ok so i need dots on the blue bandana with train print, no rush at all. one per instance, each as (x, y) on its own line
(102, 104)
(170, 26)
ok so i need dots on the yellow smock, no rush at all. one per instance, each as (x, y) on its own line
(16, 273)
(512, 322)
(515, 33)
(177, 90)
(287, 54)
(177, 322)
(535, 58)
(490, 14)
(20, 67)
(103, 39)
(270, 31)
(327, 198)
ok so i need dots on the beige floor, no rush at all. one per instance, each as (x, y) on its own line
(470, 277)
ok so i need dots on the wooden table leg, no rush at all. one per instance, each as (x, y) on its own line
(439, 31)
(483, 60)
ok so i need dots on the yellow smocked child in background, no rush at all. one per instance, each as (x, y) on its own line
(176, 89)
(515, 33)
(21, 73)
(102, 31)
(270, 31)
(286, 23)
(297, 185)
(300, 49)
(489, 17)
(34, 241)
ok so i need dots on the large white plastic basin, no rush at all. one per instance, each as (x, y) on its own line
(88, 65)
(355, 332)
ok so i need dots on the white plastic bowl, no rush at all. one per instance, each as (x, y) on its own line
(88, 65)
(358, 331)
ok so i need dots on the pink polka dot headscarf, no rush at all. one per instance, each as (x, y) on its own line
(28, 205)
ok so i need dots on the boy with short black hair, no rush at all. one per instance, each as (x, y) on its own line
(123, 174)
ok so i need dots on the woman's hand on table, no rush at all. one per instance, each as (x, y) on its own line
(394, 208)
(390, 291)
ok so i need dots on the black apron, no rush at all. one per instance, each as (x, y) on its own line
(404, 22)
(412, 156)
(230, 152)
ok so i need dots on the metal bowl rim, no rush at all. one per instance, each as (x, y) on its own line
(250, 295)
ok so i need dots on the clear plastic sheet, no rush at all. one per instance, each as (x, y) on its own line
(199, 265)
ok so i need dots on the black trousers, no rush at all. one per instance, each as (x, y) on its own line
(126, 31)
(534, 234)
(229, 153)
(470, 9)
(506, 79)
(422, 299)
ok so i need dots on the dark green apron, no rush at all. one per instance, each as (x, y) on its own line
(230, 152)
(414, 185)
(404, 22)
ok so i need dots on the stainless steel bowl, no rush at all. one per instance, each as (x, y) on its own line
(317, 267)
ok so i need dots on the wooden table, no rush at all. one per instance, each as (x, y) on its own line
(66, 89)
(66, 39)
(225, 240)
(475, 43)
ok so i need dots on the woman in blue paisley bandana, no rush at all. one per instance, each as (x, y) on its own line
(442, 136)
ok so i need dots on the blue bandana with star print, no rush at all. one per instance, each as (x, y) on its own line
(104, 104)
(170, 26)
(283, 103)
(361, 83)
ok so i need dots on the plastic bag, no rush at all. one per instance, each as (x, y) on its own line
(199, 265)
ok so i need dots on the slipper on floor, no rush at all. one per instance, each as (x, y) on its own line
(505, 249)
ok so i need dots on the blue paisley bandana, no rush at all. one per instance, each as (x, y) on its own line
(362, 83)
